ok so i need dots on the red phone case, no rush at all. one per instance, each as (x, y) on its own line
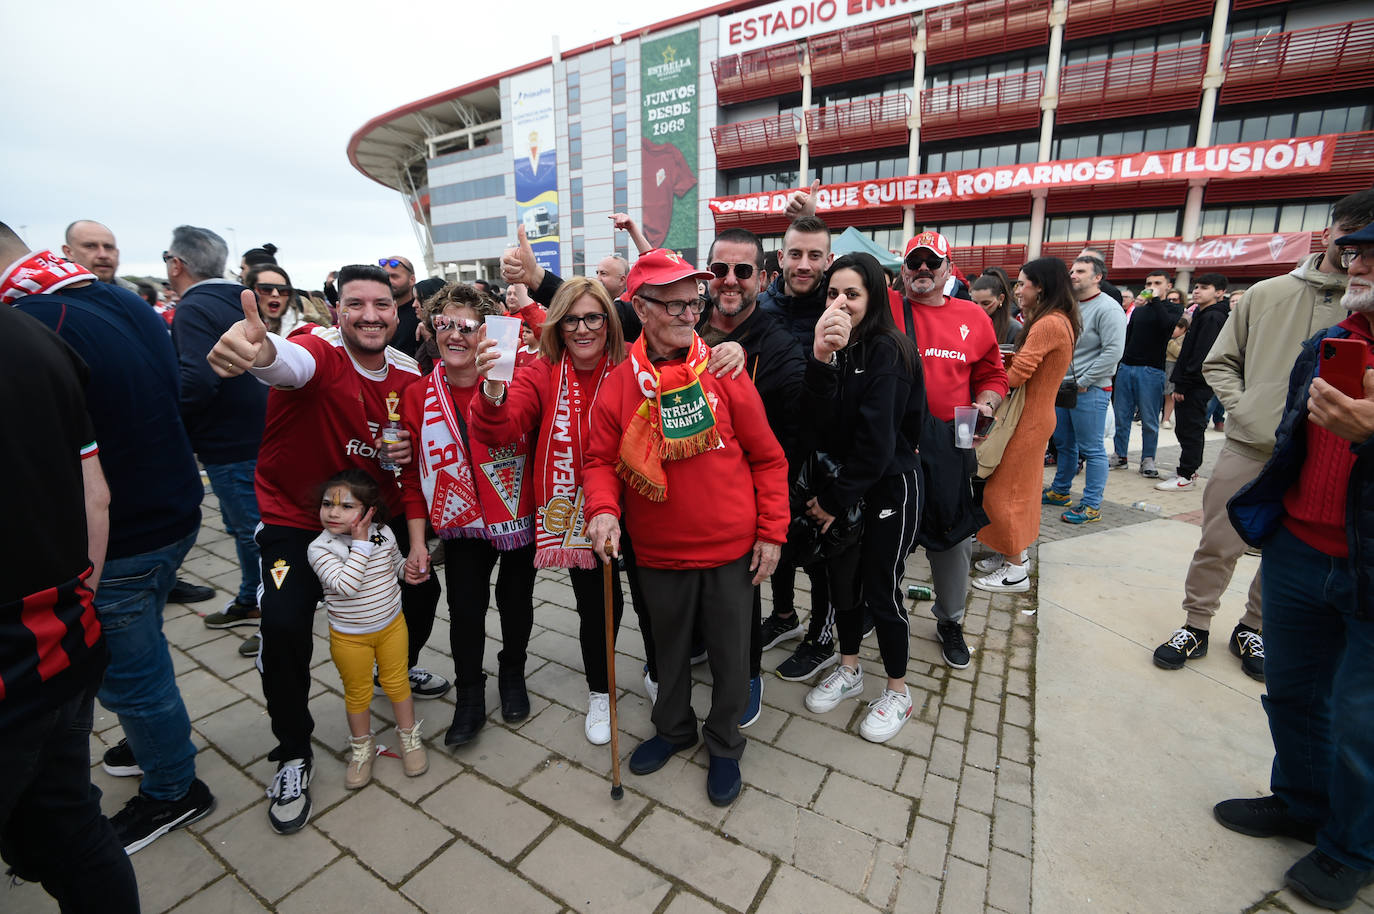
(1343, 363)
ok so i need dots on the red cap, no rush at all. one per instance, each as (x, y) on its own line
(932, 241)
(661, 267)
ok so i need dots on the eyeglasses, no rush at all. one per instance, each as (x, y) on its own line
(1348, 256)
(392, 262)
(166, 257)
(271, 288)
(466, 326)
(592, 321)
(721, 269)
(675, 308)
(914, 261)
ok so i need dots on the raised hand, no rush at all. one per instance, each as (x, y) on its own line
(518, 263)
(802, 202)
(243, 345)
(832, 331)
(363, 525)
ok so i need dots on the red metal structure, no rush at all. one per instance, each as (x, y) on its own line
(864, 124)
(1352, 169)
(1101, 17)
(1126, 86)
(964, 30)
(1329, 58)
(768, 139)
(757, 74)
(984, 106)
(861, 52)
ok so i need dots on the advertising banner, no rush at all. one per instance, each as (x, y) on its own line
(790, 20)
(1271, 158)
(535, 151)
(1264, 249)
(668, 144)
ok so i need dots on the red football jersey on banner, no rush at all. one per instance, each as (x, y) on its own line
(326, 426)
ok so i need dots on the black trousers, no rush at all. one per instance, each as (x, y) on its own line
(589, 591)
(418, 601)
(467, 577)
(51, 827)
(290, 592)
(1190, 421)
(721, 600)
(640, 602)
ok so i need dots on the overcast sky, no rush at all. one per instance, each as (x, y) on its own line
(145, 115)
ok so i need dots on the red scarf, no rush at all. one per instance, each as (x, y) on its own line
(39, 274)
(684, 427)
(494, 504)
(560, 525)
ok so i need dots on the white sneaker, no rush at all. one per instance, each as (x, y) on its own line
(835, 688)
(1008, 578)
(887, 713)
(1177, 484)
(650, 688)
(990, 564)
(598, 725)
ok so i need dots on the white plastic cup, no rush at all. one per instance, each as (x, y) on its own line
(965, 420)
(506, 332)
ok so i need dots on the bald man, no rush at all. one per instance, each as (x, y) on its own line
(93, 246)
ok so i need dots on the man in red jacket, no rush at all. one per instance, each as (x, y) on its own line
(665, 432)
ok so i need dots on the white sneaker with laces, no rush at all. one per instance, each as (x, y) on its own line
(887, 713)
(290, 792)
(835, 688)
(1177, 484)
(990, 564)
(1008, 578)
(598, 725)
(424, 684)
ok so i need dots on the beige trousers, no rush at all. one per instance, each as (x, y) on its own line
(1220, 546)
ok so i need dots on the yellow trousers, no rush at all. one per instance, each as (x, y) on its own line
(354, 656)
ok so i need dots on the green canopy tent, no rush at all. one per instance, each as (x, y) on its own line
(853, 241)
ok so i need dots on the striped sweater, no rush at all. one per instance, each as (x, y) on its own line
(360, 579)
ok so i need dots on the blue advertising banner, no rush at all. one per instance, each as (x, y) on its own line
(535, 151)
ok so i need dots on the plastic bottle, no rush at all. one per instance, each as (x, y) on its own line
(391, 434)
(919, 592)
(1147, 507)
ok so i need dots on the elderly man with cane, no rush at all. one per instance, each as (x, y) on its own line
(665, 432)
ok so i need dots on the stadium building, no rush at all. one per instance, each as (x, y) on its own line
(1206, 133)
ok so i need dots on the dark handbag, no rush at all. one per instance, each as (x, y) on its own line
(806, 544)
(1067, 397)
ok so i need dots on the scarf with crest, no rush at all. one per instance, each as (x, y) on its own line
(559, 523)
(674, 421)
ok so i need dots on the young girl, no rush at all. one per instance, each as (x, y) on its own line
(357, 562)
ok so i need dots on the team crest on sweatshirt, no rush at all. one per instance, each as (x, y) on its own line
(278, 572)
(963, 331)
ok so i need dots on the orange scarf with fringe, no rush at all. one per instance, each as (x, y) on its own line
(674, 421)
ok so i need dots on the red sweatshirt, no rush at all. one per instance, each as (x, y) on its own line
(959, 353)
(719, 503)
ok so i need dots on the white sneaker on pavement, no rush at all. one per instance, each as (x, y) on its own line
(1177, 483)
(835, 688)
(1008, 578)
(887, 713)
(598, 725)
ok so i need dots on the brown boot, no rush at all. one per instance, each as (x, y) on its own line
(413, 755)
(362, 750)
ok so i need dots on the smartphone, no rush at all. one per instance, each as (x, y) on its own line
(983, 425)
(1343, 363)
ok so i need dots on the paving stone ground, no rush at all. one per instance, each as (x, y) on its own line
(937, 820)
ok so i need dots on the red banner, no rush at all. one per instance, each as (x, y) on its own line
(1268, 248)
(1305, 155)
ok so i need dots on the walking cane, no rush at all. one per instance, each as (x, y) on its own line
(608, 569)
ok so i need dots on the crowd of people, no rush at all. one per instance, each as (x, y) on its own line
(358, 441)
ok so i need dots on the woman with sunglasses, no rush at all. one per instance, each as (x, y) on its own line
(992, 291)
(864, 396)
(551, 401)
(478, 499)
(278, 302)
(1012, 496)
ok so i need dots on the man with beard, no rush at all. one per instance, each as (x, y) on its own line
(333, 389)
(776, 364)
(1312, 508)
(401, 276)
(795, 297)
(962, 365)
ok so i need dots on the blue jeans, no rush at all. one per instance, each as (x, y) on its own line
(1138, 388)
(238, 505)
(1080, 431)
(140, 686)
(1319, 695)
(1215, 411)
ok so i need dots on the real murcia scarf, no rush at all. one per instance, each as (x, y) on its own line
(474, 491)
(559, 523)
(38, 274)
(674, 421)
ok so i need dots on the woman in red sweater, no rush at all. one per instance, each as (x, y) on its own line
(551, 400)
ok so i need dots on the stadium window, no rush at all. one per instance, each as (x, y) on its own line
(579, 254)
(575, 145)
(575, 201)
(617, 82)
(618, 136)
(622, 192)
(574, 93)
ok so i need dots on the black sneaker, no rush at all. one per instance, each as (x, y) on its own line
(807, 660)
(1186, 644)
(952, 644)
(143, 820)
(290, 793)
(1325, 882)
(1247, 644)
(251, 645)
(1263, 817)
(424, 684)
(186, 592)
(119, 761)
(777, 629)
(236, 613)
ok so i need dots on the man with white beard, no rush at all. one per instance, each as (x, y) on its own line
(1312, 508)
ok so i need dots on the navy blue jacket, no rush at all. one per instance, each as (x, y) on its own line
(155, 488)
(1257, 509)
(223, 416)
(798, 314)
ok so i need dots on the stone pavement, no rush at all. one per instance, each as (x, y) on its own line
(1059, 772)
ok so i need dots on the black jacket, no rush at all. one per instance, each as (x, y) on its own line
(1149, 331)
(866, 411)
(1202, 333)
(1257, 509)
(798, 314)
(775, 363)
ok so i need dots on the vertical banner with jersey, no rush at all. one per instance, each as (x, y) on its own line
(535, 149)
(668, 128)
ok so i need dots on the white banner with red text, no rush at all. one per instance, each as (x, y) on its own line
(1264, 249)
(1271, 158)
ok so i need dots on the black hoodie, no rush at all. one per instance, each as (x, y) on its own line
(1202, 333)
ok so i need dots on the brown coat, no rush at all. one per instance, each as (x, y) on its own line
(1012, 496)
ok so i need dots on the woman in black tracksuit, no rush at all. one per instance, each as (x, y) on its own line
(865, 400)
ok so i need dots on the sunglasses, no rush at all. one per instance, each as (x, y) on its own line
(593, 321)
(742, 270)
(271, 288)
(466, 326)
(914, 261)
(392, 262)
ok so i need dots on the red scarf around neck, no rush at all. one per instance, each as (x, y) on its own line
(560, 525)
(38, 274)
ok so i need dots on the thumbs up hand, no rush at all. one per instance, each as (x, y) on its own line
(243, 345)
(803, 202)
(518, 264)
